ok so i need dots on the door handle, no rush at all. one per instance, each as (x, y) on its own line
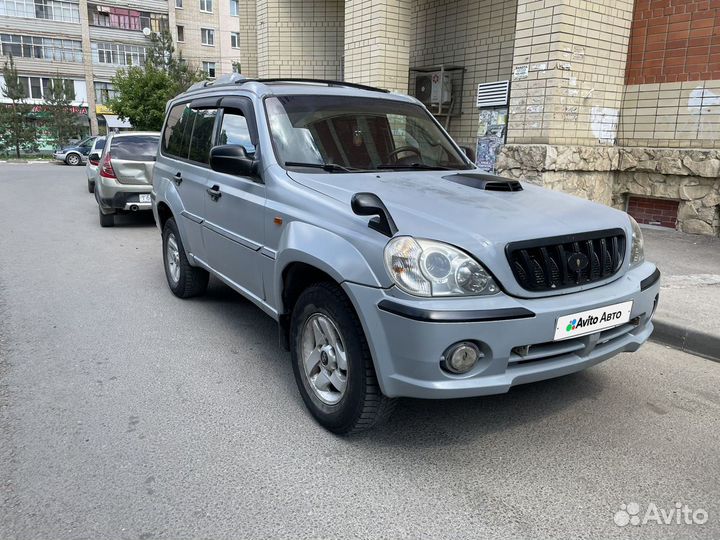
(177, 178)
(214, 192)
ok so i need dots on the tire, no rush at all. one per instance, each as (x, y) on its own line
(106, 220)
(362, 405)
(91, 187)
(73, 159)
(189, 280)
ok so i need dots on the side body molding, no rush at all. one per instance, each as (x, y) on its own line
(323, 249)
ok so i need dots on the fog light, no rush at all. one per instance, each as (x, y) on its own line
(461, 357)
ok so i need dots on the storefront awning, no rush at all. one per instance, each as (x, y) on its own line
(113, 121)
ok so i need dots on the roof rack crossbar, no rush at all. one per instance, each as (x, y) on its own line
(316, 81)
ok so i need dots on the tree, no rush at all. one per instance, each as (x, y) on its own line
(63, 122)
(143, 91)
(17, 128)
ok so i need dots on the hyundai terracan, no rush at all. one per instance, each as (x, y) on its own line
(392, 266)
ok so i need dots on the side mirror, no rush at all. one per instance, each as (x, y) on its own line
(232, 159)
(369, 204)
(94, 158)
(469, 152)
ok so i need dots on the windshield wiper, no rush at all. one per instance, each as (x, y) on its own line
(422, 166)
(329, 167)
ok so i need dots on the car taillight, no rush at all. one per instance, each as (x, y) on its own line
(106, 169)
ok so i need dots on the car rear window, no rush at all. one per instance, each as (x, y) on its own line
(135, 147)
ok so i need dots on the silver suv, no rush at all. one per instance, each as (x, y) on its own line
(392, 266)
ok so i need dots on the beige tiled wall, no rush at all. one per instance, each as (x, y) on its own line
(377, 42)
(248, 38)
(575, 53)
(476, 34)
(300, 38)
(674, 115)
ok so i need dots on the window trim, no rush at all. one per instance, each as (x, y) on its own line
(236, 3)
(237, 41)
(177, 30)
(179, 6)
(212, 7)
(207, 71)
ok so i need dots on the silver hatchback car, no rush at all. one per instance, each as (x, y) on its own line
(123, 182)
(391, 264)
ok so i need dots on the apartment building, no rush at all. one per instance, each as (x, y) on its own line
(85, 42)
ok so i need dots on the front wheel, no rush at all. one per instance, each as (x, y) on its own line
(184, 279)
(73, 159)
(332, 363)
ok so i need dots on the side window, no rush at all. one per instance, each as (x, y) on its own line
(234, 130)
(176, 137)
(202, 135)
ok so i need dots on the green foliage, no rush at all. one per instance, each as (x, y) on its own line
(17, 128)
(63, 122)
(143, 91)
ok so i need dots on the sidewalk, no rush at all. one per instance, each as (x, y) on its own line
(688, 315)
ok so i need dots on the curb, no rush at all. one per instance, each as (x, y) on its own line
(686, 339)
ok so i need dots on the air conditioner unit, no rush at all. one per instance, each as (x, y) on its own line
(431, 90)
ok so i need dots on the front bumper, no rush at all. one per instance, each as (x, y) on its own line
(407, 336)
(59, 156)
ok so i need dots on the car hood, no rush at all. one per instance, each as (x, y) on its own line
(428, 205)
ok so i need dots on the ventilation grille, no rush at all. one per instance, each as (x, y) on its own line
(494, 94)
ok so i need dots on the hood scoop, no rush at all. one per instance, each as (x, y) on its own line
(487, 182)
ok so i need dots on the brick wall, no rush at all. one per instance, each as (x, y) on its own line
(674, 41)
(654, 211)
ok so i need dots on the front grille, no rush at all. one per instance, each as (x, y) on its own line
(566, 261)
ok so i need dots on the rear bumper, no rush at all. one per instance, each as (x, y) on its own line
(113, 195)
(407, 337)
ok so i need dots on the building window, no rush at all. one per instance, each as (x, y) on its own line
(178, 4)
(61, 50)
(38, 87)
(206, 6)
(235, 40)
(104, 92)
(209, 69)
(181, 33)
(207, 36)
(157, 22)
(234, 7)
(126, 19)
(118, 54)
(55, 10)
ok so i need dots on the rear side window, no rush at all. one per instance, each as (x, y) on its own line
(135, 147)
(202, 135)
(100, 144)
(176, 137)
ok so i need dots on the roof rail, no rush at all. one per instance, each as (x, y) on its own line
(319, 81)
(236, 78)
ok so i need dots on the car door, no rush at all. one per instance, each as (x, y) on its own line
(235, 205)
(189, 178)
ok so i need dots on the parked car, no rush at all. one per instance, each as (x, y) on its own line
(75, 154)
(93, 162)
(392, 266)
(124, 178)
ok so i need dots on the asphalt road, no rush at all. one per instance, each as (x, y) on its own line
(128, 413)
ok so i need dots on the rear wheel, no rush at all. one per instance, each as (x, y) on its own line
(106, 220)
(73, 159)
(183, 279)
(332, 363)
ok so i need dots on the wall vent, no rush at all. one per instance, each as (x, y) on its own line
(493, 94)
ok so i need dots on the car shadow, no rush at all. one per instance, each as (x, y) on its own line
(416, 423)
(135, 219)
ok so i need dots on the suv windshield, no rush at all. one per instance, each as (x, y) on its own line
(348, 134)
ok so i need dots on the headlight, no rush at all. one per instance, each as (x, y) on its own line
(637, 252)
(428, 268)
